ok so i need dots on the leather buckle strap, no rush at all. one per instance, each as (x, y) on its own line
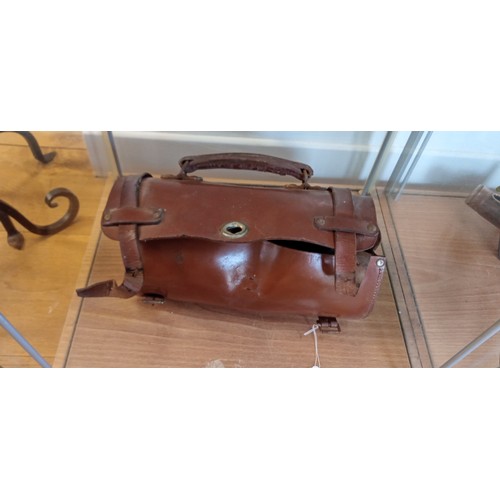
(129, 245)
(346, 224)
(132, 215)
(107, 288)
(345, 243)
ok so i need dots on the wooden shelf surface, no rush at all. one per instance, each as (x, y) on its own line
(449, 252)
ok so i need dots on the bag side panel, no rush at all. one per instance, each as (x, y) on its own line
(259, 276)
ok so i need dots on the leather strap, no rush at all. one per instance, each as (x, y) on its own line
(130, 250)
(345, 244)
(132, 215)
(245, 161)
(346, 224)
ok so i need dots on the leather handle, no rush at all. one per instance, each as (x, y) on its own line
(245, 161)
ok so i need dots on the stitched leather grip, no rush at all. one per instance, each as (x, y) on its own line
(245, 161)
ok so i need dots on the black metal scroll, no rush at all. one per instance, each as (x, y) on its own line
(8, 212)
(16, 239)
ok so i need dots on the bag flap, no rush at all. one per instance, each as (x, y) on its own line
(241, 213)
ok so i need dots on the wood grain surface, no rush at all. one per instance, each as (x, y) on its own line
(129, 333)
(47, 140)
(37, 283)
(450, 253)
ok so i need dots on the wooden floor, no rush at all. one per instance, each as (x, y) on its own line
(38, 282)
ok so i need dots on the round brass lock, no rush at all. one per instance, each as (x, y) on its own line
(234, 230)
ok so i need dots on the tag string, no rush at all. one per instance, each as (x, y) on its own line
(313, 330)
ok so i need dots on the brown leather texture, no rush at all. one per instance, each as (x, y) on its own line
(264, 249)
(245, 161)
(486, 203)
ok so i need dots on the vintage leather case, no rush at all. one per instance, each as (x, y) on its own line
(292, 249)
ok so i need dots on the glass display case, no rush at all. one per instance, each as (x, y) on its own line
(441, 213)
(441, 246)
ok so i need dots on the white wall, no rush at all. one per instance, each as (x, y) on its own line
(455, 160)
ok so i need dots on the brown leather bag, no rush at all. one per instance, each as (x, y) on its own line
(296, 249)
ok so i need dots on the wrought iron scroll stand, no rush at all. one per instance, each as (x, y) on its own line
(8, 212)
(16, 239)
